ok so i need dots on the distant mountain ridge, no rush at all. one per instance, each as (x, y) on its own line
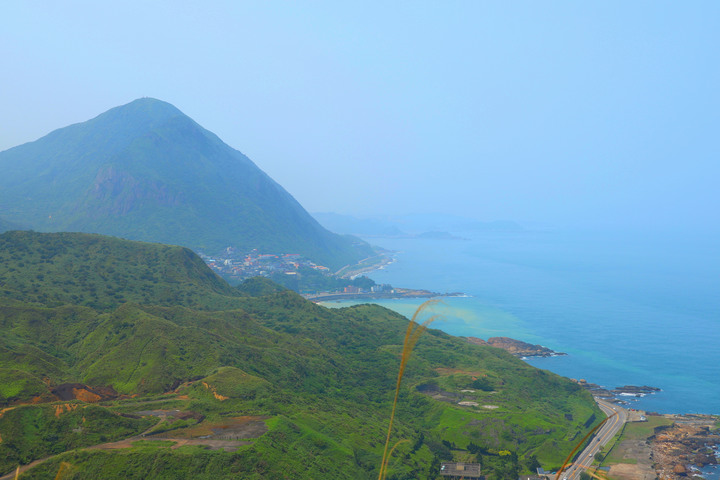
(145, 171)
(5, 226)
(420, 225)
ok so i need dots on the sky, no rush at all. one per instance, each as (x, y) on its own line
(560, 112)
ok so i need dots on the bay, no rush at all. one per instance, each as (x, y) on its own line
(627, 308)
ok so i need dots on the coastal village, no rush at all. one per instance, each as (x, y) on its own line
(237, 266)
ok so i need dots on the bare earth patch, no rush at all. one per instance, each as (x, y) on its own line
(227, 445)
(628, 471)
(227, 434)
(235, 428)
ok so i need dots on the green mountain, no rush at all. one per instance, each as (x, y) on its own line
(145, 171)
(103, 338)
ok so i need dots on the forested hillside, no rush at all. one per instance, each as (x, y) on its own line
(102, 338)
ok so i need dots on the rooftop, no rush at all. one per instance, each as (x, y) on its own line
(464, 470)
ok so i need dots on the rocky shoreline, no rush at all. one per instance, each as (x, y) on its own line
(691, 442)
(617, 395)
(674, 452)
(515, 347)
(679, 447)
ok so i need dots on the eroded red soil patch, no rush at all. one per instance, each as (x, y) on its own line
(85, 393)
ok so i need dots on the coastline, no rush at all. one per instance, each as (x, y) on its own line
(367, 265)
(668, 446)
(468, 316)
(516, 347)
(611, 327)
(680, 450)
(482, 318)
(398, 293)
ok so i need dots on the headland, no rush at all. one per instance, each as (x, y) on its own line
(365, 295)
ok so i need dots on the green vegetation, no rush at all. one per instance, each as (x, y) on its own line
(32, 432)
(630, 435)
(310, 280)
(104, 272)
(145, 171)
(302, 391)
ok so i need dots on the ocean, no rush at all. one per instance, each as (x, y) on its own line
(628, 309)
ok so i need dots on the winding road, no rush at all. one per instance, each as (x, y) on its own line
(611, 427)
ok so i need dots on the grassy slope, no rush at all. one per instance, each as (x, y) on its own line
(631, 434)
(323, 377)
(103, 272)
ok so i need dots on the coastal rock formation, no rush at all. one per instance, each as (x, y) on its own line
(635, 390)
(616, 394)
(515, 347)
(688, 442)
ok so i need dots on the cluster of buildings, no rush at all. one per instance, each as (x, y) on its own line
(374, 289)
(237, 266)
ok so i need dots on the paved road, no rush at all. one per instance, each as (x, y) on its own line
(602, 436)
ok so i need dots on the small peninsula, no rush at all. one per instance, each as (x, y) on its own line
(516, 347)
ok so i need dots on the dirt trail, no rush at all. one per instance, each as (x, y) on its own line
(214, 444)
(3, 410)
(34, 463)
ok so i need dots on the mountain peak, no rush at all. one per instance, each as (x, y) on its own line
(148, 106)
(141, 114)
(146, 171)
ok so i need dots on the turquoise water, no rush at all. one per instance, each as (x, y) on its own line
(639, 310)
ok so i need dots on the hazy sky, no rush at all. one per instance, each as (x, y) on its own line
(561, 112)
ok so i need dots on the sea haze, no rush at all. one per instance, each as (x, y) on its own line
(634, 309)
